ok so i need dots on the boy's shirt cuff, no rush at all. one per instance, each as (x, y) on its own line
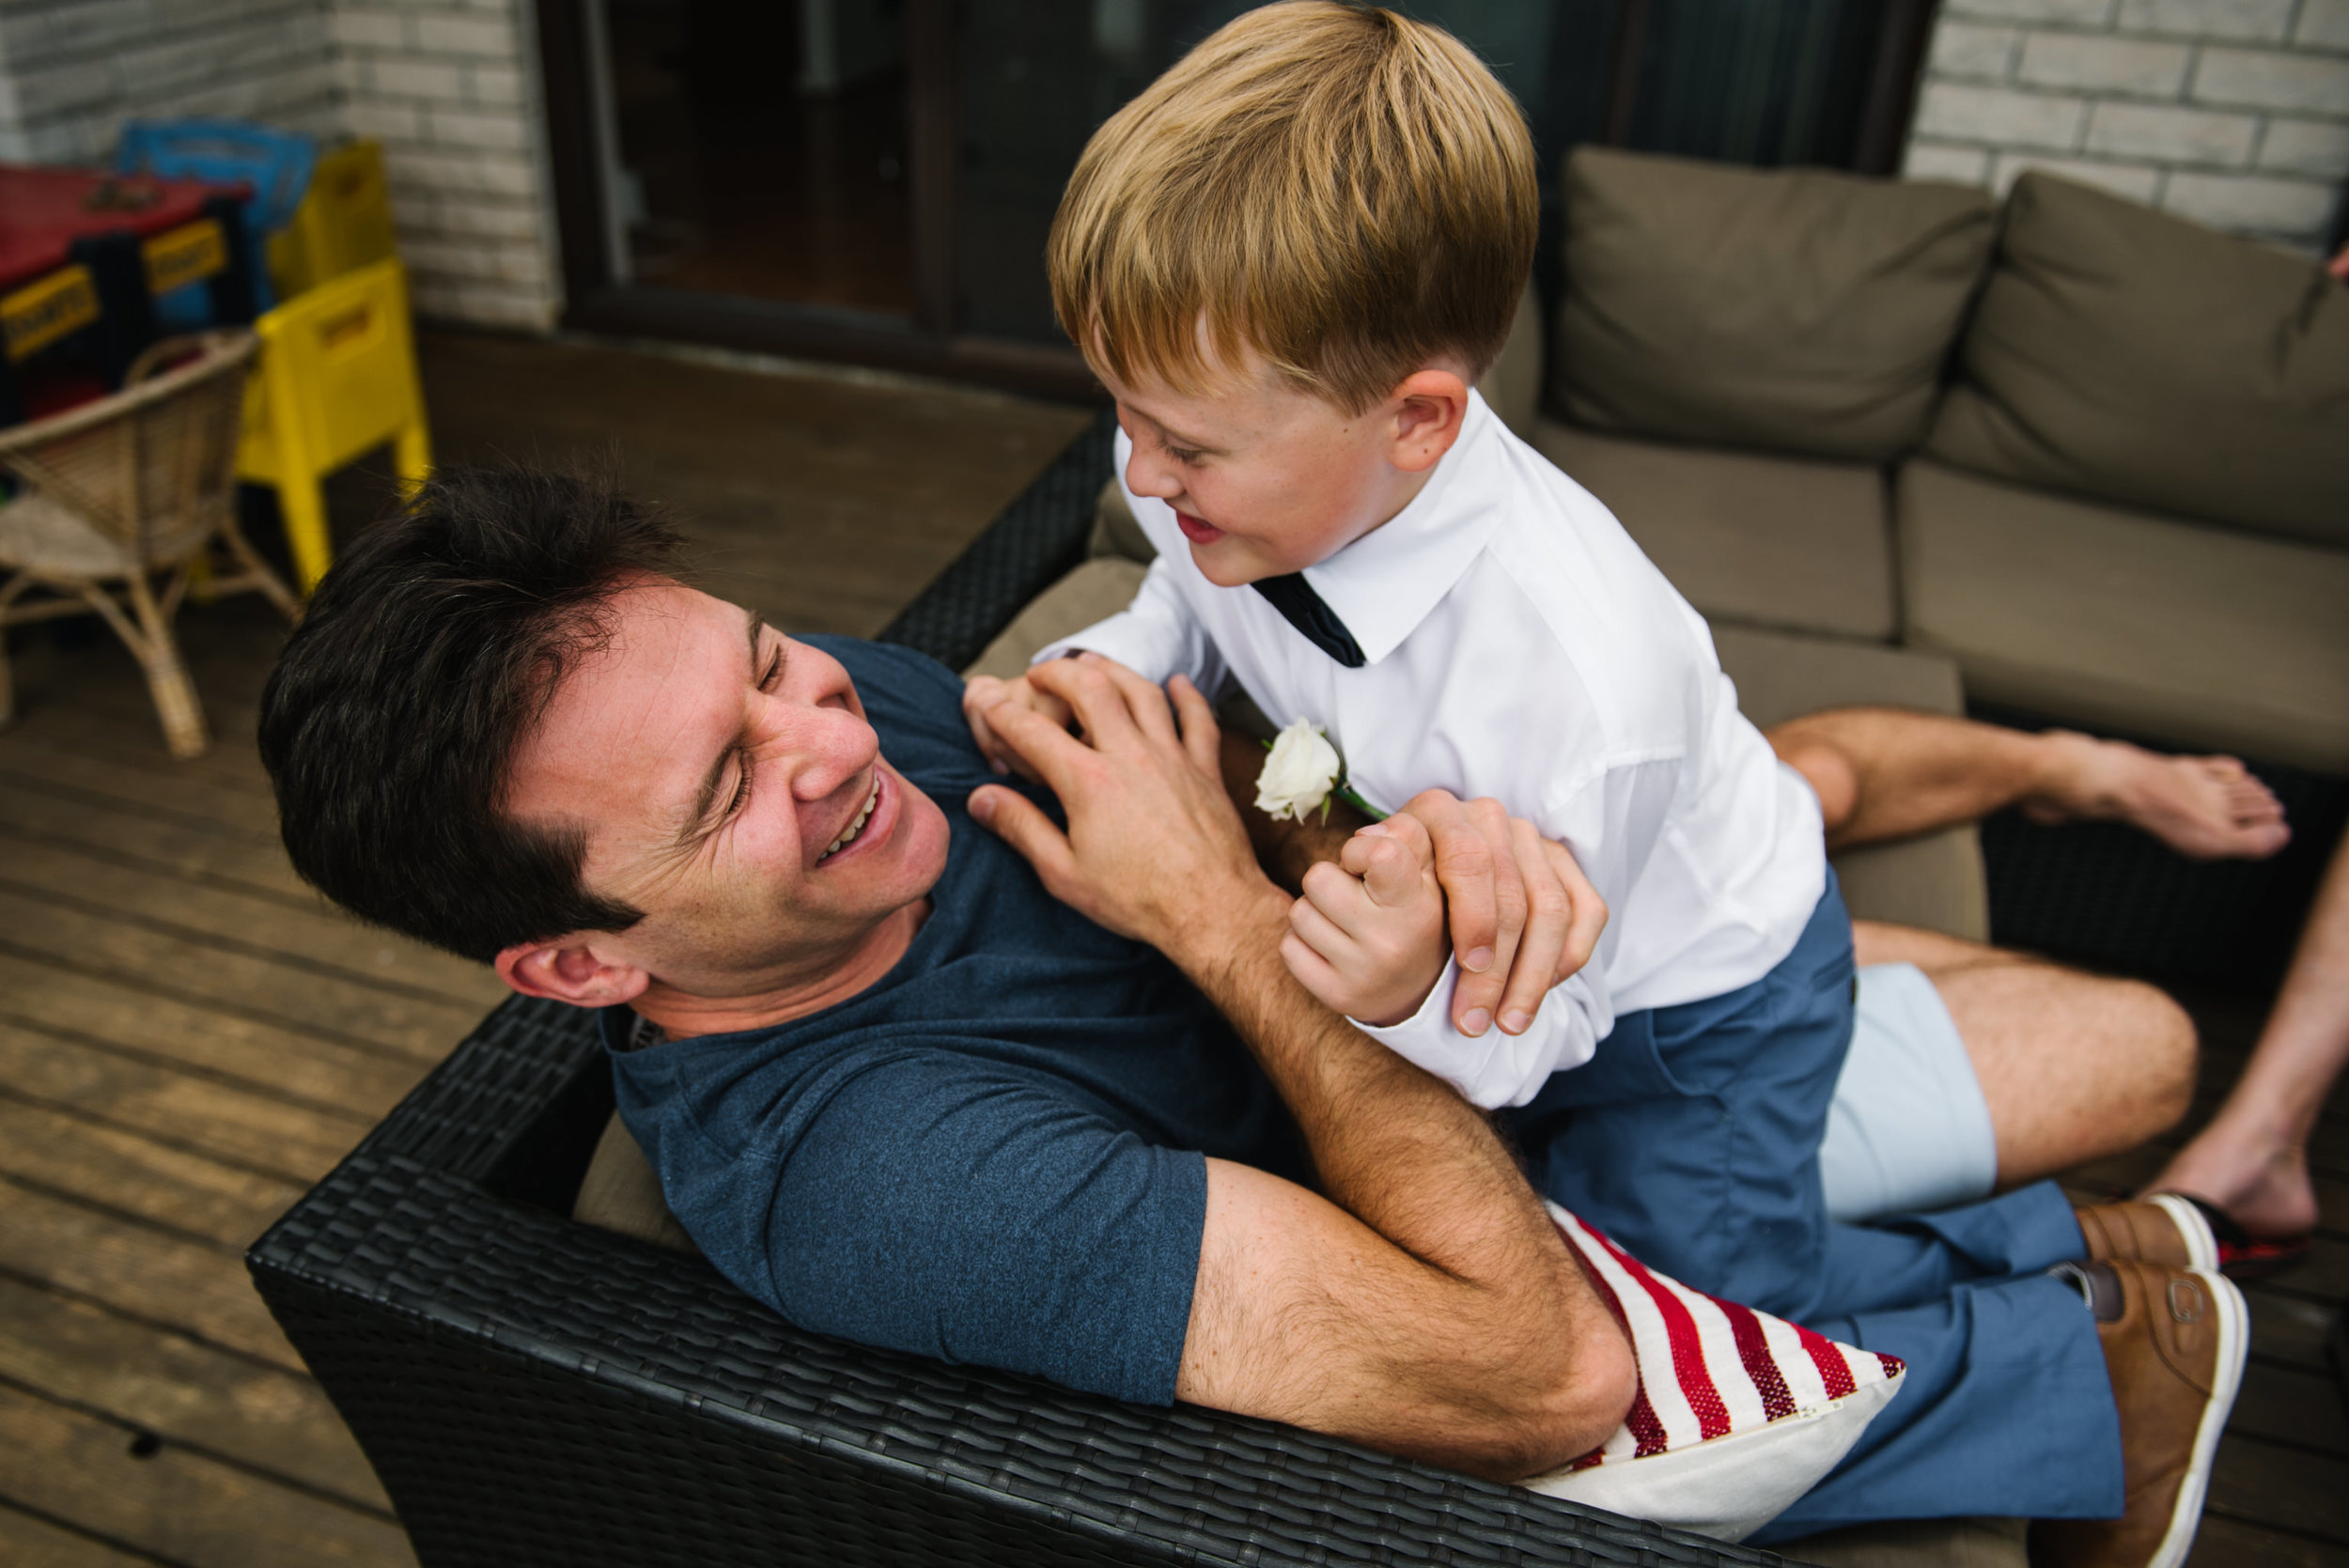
(1494, 1069)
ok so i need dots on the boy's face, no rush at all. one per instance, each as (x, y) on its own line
(1266, 478)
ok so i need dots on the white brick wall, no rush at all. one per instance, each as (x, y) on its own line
(2234, 113)
(449, 86)
(72, 70)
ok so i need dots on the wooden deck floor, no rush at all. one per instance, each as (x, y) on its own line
(188, 1037)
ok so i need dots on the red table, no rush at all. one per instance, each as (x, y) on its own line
(82, 250)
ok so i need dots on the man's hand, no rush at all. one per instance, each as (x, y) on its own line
(981, 693)
(1367, 938)
(1155, 849)
(1523, 917)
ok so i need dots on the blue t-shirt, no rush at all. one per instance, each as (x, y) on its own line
(996, 1153)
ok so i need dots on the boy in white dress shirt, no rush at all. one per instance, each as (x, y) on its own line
(1289, 259)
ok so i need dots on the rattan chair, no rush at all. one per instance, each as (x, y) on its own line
(135, 486)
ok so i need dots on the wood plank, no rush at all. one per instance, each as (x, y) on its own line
(2289, 1329)
(2286, 1487)
(26, 1541)
(176, 1282)
(293, 996)
(137, 1175)
(114, 722)
(296, 1142)
(2225, 1542)
(173, 797)
(310, 931)
(274, 1420)
(192, 849)
(2292, 1405)
(183, 1507)
(110, 1011)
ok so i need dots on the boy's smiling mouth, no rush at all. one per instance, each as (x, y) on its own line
(1196, 531)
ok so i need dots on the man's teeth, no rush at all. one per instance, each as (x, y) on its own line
(848, 833)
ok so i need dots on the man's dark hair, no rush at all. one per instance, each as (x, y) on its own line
(390, 721)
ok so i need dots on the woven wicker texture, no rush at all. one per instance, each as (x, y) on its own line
(116, 490)
(532, 1390)
(1032, 545)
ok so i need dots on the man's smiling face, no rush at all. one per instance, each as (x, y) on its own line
(729, 787)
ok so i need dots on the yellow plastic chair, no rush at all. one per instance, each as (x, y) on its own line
(344, 222)
(337, 378)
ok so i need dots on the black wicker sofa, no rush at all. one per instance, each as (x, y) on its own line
(532, 1389)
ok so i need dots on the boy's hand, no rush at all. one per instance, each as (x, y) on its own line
(1368, 938)
(982, 692)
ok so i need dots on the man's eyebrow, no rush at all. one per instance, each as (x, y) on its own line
(691, 827)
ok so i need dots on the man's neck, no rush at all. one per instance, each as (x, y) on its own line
(681, 1015)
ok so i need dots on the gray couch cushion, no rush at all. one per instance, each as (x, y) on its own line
(621, 1193)
(2127, 356)
(1935, 880)
(2129, 621)
(1094, 591)
(1773, 541)
(1797, 311)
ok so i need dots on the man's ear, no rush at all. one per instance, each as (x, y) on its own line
(1428, 409)
(569, 969)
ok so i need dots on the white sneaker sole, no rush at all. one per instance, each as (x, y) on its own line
(2201, 1247)
(2234, 1345)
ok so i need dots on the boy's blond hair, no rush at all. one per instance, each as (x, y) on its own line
(1345, 191)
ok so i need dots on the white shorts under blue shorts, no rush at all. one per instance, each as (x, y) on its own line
(1908, 1129)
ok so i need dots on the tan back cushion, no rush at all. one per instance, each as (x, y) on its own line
(2127, 356)
(1795, 311)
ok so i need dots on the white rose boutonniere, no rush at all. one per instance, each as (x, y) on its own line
(1298, 773)
(1302, 773)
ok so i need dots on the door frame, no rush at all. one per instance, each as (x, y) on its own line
(596, 301)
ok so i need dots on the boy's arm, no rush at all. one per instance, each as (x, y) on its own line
(1531, 914)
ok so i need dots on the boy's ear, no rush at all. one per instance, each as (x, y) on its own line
(569, 969)
(1428, 409)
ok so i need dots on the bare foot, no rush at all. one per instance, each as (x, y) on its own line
(2208, 808)
(2266, 1191)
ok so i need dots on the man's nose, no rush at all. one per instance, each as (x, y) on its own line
(827, 747)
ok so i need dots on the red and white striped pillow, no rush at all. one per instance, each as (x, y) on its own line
(1738, 1413)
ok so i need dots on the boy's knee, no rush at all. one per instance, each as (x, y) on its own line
(2165, 1049)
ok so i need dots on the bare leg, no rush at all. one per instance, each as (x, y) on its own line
(2074, 1066)
(1886, 773)
(2252, 1159)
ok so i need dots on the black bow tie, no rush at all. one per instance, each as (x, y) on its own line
(1305, 610)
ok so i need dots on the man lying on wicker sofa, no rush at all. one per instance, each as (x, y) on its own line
(899, 1090)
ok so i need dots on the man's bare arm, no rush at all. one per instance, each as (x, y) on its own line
(1423, 1304)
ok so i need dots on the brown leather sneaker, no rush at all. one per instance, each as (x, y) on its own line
(2175, 1352)
(2164, 1229)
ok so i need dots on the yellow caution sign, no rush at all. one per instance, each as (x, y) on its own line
(47, 309)
(178, 257)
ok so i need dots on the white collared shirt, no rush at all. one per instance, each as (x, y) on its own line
(1519, 645)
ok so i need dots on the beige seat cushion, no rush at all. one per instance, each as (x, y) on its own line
(2129, 356)
(2129, 621)
(621, 1193)
(1787, 542)
(1788, 310)
(1937, 880)
(1095, 590)
(38, 536)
